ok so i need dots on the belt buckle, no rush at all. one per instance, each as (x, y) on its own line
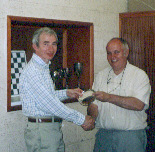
(39, 120)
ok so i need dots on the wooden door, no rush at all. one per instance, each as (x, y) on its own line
(139, 30)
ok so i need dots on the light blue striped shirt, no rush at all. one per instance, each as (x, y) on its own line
(38, 96)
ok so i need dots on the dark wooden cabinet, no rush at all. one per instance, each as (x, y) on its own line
(75, 45)
(138, 29)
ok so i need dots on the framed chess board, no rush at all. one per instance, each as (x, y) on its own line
(18, 61)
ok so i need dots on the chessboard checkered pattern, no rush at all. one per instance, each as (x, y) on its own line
(18, 61)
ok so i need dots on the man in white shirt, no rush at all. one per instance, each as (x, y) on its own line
(122, 96)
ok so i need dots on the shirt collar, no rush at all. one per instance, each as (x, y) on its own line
(127, 64)
(39, 61)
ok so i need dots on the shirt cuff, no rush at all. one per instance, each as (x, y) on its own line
(80, 120)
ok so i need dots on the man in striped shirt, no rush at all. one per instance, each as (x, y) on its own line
(41, 103)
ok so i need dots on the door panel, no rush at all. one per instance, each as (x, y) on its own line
(139, 30)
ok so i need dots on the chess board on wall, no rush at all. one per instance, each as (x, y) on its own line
(18, 61)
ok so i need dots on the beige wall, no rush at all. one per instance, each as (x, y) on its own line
(141, 5)
(105, 16)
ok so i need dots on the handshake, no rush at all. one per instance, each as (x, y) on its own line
(89, 123)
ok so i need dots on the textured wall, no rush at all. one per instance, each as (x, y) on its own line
(105, 16)
(141, 5)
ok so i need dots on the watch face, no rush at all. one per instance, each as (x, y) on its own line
(87, 98)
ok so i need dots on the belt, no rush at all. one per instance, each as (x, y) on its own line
(42, 120)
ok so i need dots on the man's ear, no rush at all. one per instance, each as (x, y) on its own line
(34, 47)
(126, 53)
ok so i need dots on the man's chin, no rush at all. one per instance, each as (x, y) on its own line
(50, 57)
(113, 64)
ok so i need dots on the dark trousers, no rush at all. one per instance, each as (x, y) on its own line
(120, 141)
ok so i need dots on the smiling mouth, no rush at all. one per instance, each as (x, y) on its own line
(113, 61)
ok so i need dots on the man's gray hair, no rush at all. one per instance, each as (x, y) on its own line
(37, 33)
(124, 43)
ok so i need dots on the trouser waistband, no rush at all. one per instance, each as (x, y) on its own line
(42, 120)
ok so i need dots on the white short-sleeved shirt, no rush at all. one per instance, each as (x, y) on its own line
(132, 82)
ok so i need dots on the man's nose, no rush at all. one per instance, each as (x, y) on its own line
(50, 46)
(113, 56)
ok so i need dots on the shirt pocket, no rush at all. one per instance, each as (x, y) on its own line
(126, 90)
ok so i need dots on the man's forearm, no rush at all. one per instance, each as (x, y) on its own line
(130, 103)
(92, 111)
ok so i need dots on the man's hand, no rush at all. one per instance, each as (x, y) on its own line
(102, 96)
(74, 93)
(89, 123)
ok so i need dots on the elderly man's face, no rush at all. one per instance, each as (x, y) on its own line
(47, 47)
(116, 56)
